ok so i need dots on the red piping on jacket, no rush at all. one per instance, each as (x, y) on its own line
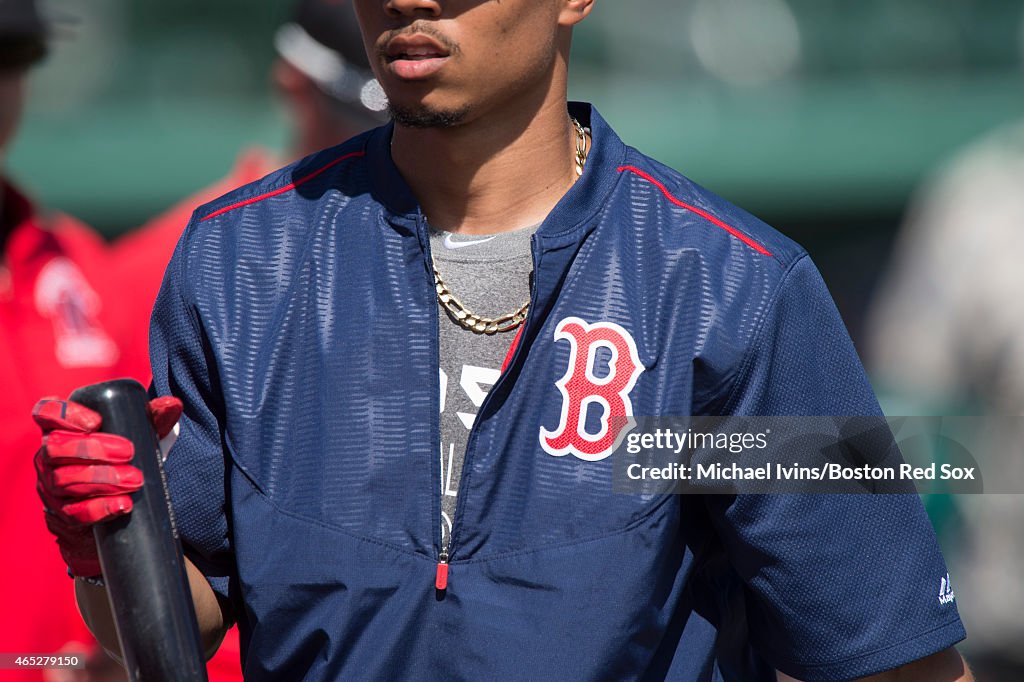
(512, 349)
(281, 190)
(702, 213)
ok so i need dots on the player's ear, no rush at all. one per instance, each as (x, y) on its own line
(574, 11)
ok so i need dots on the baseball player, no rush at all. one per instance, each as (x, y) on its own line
(498, 274)
(55, 334)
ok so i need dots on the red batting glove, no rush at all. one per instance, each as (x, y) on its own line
(85, 478)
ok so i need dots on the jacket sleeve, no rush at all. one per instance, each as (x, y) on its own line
(184, 365)
(836, 586)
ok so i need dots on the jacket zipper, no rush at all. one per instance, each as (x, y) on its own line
(441, 579)
(441, 574)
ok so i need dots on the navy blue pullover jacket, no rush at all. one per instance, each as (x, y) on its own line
(298, 323)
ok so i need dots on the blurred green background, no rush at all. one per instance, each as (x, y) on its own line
(821, 116)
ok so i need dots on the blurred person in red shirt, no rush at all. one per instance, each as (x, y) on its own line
(324, 79)
(55, 335)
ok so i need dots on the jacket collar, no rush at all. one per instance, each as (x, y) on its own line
(569, 221)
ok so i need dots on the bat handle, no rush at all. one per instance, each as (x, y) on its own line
(140, 553)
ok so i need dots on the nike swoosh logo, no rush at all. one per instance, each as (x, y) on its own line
(449, 244)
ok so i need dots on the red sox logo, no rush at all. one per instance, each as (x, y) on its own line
(580, 388)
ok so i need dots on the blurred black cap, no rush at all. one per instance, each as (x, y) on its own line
(332, 23)
(23, 33)
(323, 40)
(21, 18)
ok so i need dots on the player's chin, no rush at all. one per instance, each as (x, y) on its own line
(420, 114)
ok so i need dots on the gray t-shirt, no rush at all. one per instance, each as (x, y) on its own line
(490, 274)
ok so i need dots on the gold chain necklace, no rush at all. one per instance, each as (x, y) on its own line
(503, 323)
(581, 146)
(472, 321)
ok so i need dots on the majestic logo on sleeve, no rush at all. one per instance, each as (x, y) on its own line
(946, 591)
(582, 388)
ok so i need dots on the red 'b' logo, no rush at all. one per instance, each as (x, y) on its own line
(581, 388)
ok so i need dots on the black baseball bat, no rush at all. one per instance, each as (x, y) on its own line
(140, 553)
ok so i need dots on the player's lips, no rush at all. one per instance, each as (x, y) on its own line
(415, 57)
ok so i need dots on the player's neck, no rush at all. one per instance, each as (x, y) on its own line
(502, 172)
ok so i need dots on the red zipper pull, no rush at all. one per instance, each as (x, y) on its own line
(441, 579)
